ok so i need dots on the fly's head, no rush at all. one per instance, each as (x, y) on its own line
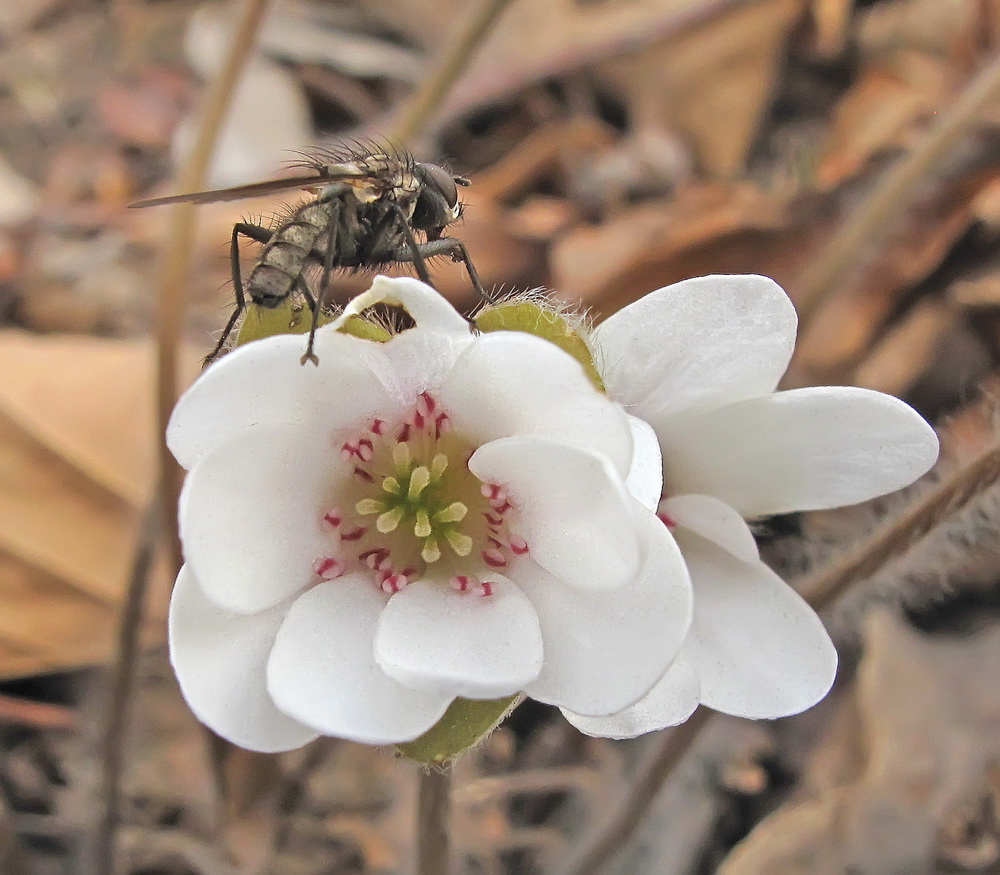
(437, 204)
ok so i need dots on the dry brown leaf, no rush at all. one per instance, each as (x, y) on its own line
(920, 749)
(610, 265)
(881, 111)
(77, 449)
(712, 83)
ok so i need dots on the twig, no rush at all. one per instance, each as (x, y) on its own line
(433, 830)
(435, 86)
(894, 539)
(643, 790)
(122, 685)
(867, 225)
(821, 590)
(180, 243)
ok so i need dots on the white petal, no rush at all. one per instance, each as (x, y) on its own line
(759, 649)
(604, 650)
(806, 449)
(670, 702)
(697, 344)
(418, 361)
(425, 305)
(264, 381)
(322, 669)
(432, 638)
(572, 509)
(250, 515)
(714, 520)
(645, 476)
(508, 383)
(220, 660)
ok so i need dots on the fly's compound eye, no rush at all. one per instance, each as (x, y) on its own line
(437, 178)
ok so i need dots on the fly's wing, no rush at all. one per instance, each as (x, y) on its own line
(329, 174)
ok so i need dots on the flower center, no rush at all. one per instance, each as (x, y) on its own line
(410, 507)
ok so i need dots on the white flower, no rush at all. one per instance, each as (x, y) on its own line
(441, 515)
(699, 361)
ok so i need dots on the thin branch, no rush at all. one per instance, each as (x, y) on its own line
(641, 793)
(899, 535)
(821, 591)
(433, 821)
(421, 106)
(122, 686)
(867, 225)
(180, 244)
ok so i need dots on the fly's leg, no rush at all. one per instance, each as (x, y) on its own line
(324, 288)
(416, 255)
(453, 248)
(259, 234)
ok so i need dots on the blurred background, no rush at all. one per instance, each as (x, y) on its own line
(848, 148)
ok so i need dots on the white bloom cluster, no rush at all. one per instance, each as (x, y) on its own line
(450, 514)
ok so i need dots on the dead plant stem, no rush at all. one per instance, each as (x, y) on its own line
(121, 688)
(867, 225)
(821, 590)
(420, 108)
(433, 820)
(181, 236)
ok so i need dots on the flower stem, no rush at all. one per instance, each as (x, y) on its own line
(433, 822)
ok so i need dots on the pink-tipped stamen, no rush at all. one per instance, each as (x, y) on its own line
(442, 425)
(334, 518)
(461, 583)
(329, 568)
(377, 426)
(363, 474)
(354, 534)
(667, 520)
(404, 433)
(518, 546)
(494, 558)
(486, 588)
(366, 450)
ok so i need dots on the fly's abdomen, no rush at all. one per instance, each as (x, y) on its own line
(284, 258)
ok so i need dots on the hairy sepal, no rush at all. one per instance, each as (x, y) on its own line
(463, 726)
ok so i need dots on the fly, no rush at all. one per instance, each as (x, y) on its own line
(371, 207)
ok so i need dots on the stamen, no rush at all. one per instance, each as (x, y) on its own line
(404, 433)
(393, 582)
(366, 450)
(388, 521)
(425, 404)
(486, 588)
(461, 583)
(667, 520)
(329, 568)
(378, 426)
(333, 518)
(354, 534)
(419, 479)
(442, 425)
(518, 546)
(363, 474)
(494, 558)
(376, 559)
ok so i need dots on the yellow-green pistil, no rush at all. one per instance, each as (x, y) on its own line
(415, 495)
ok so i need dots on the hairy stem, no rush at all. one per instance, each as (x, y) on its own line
(433, 829)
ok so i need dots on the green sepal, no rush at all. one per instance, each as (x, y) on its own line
(357, 326)
(531, 318)
(287, 318)
(292, 318)
(464, 724)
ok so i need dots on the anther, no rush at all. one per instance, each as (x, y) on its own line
(329, 568)
(667, 520)
(363, 474)
(333, 518)
(393, 582)
(348, 451)
(377, 426)
(442, 425)
(518, 546)
(494, 558)
(493, 491)
(376, 558)
(366, 450)
(425, 404)
(404, 433)
(486, 588)
(356, 533)
(461, 583)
